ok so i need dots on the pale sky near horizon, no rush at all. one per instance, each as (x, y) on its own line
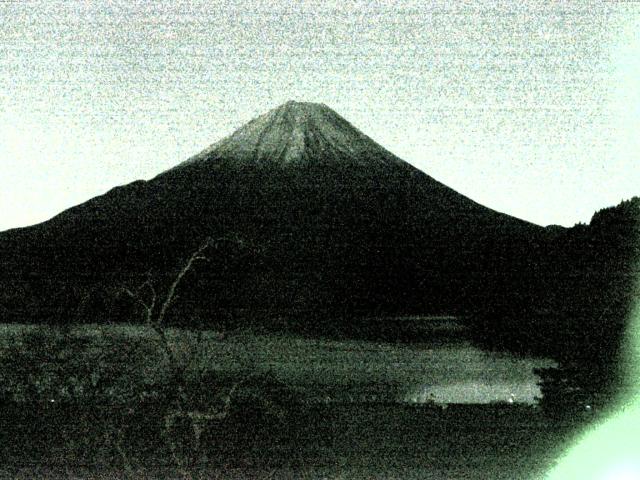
(531, 109)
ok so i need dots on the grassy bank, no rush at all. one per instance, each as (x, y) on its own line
(339, 441)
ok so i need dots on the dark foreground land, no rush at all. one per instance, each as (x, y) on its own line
(113, 402)
(354, 441)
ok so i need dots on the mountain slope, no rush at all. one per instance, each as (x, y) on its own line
(335, 222)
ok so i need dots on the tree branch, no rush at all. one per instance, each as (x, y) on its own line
(148, 308)
(196, 256)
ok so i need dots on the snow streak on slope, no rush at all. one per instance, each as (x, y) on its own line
(298, 133)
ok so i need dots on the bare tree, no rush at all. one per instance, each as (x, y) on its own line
(155, 308)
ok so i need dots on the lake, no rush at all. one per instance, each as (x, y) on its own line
(448, 369)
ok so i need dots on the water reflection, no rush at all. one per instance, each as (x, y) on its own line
(473, 392)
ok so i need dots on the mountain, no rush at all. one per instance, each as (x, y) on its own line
(330, 223)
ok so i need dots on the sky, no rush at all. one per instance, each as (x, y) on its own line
(532, 109)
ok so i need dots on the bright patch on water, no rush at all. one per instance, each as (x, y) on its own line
(501, 389)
